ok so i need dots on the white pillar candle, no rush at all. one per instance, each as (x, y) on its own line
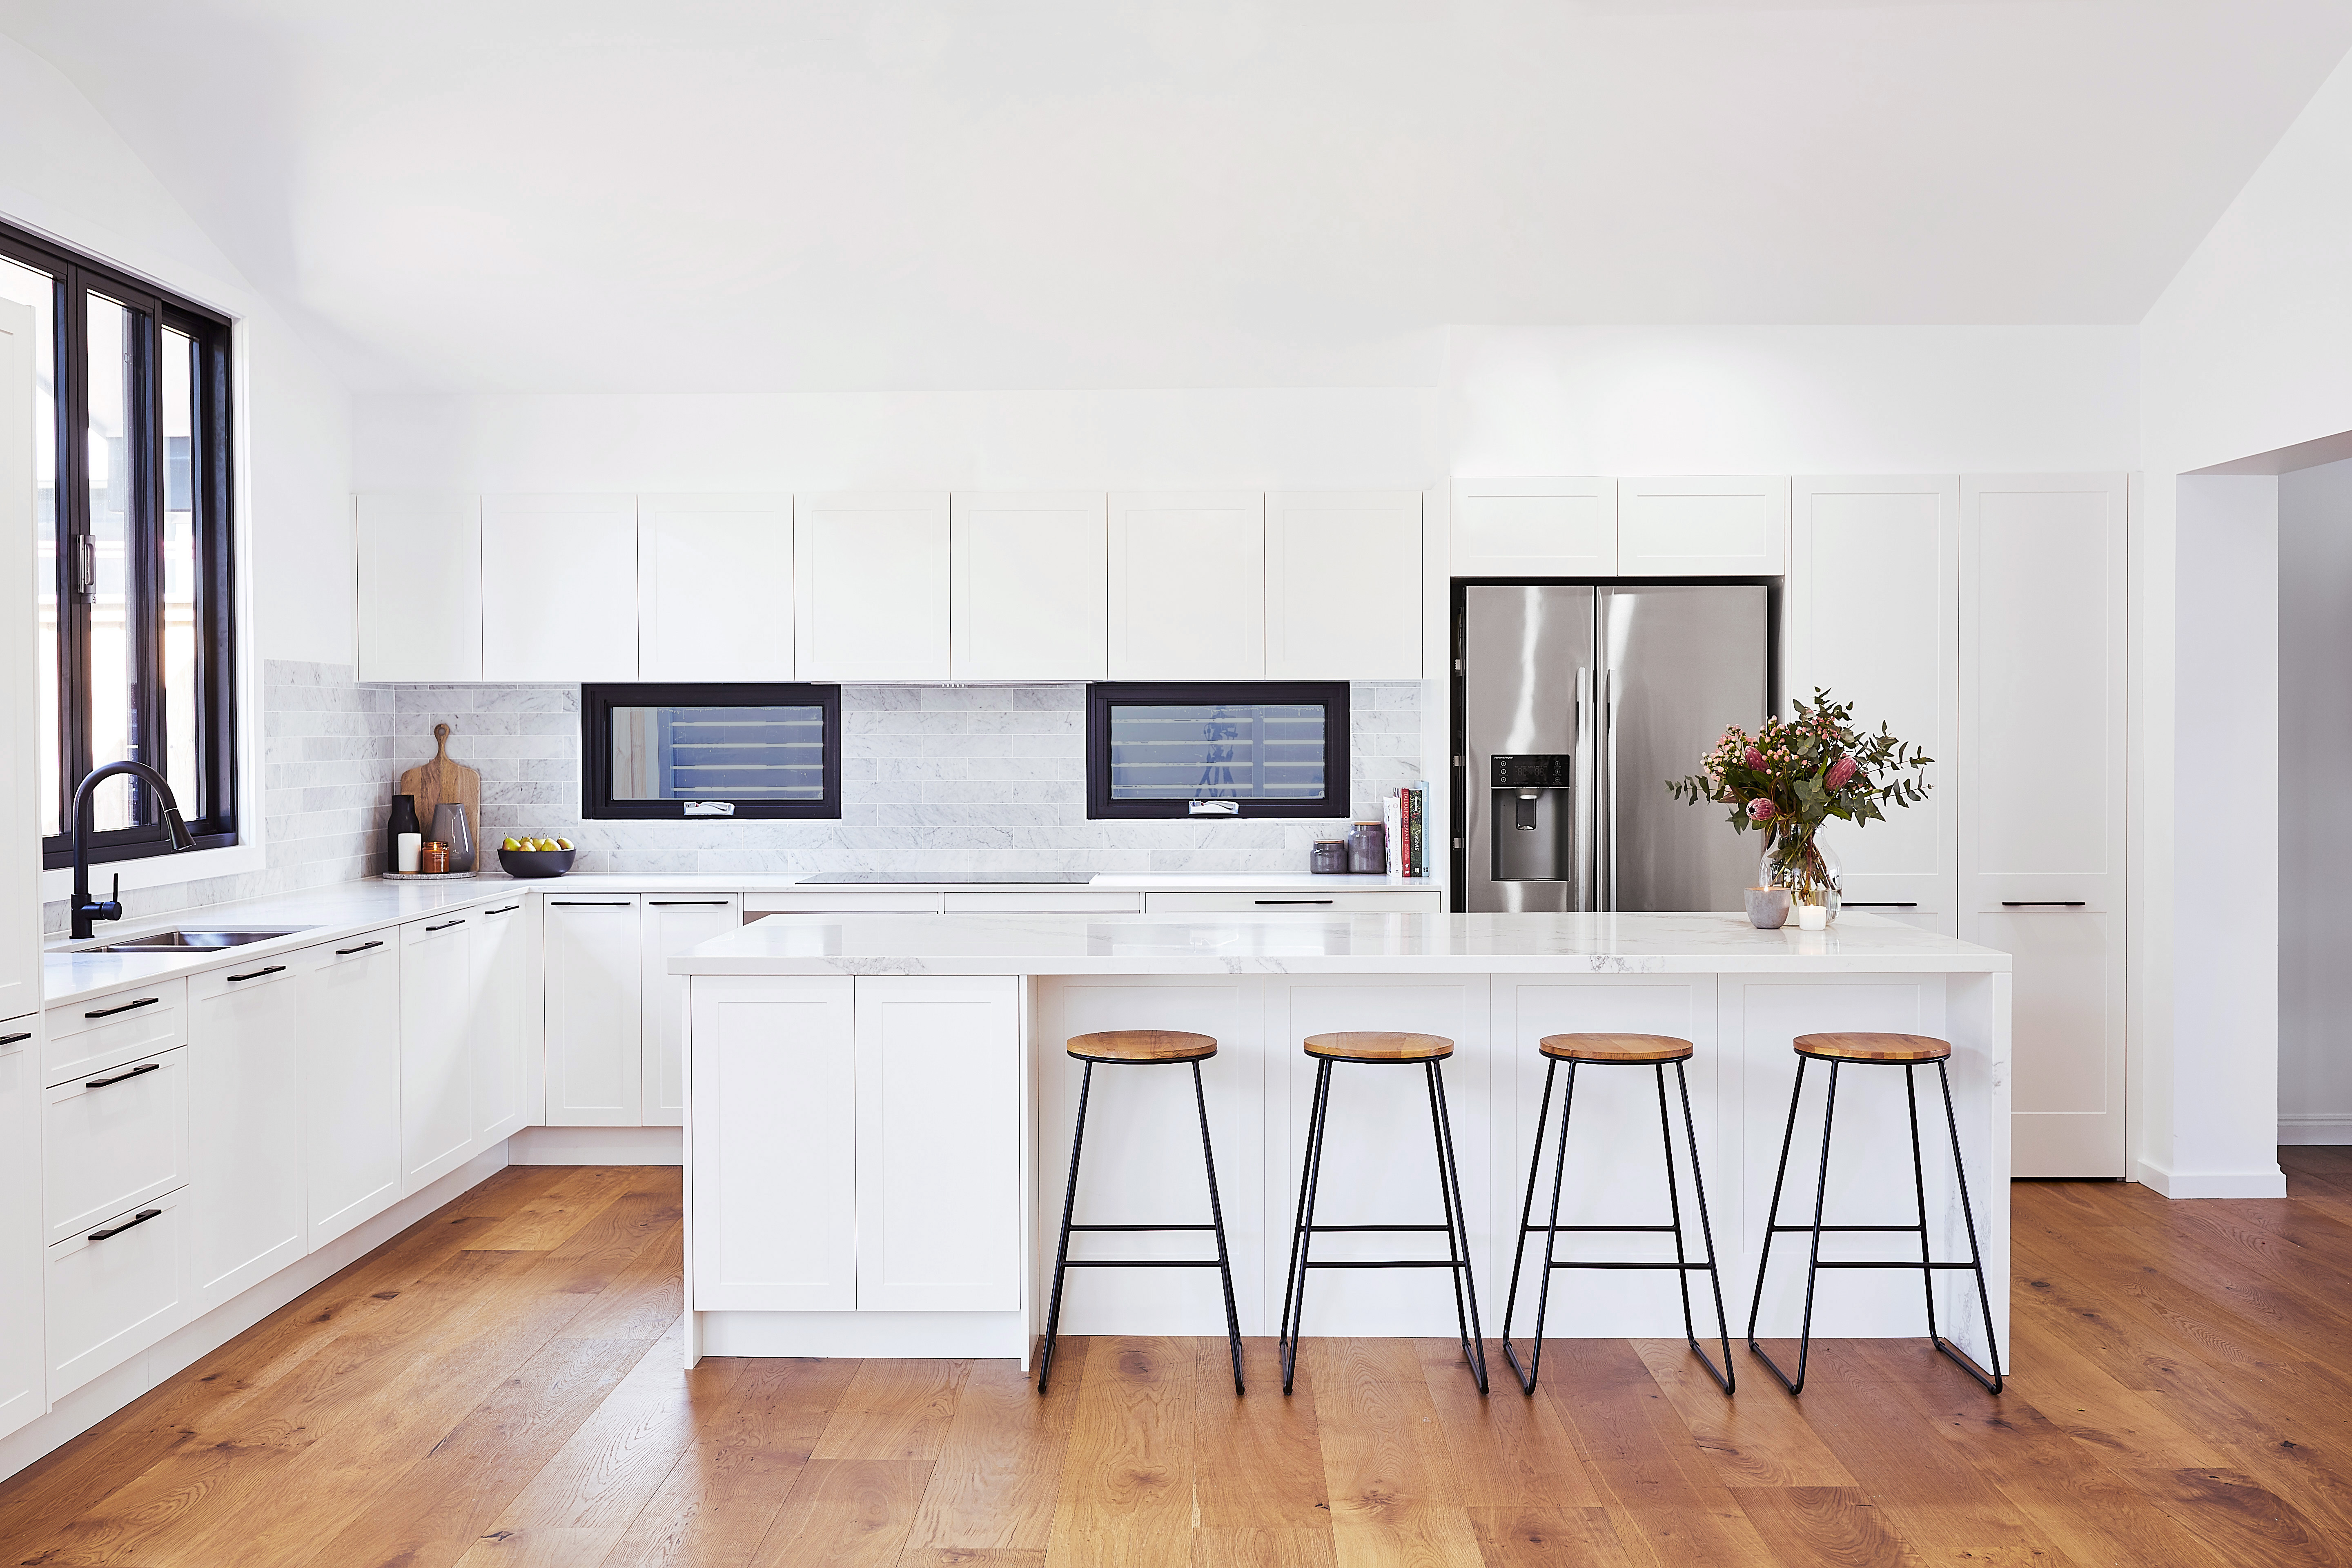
(410, 844)
(1813, 917)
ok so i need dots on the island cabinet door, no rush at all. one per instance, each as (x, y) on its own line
(938, 1144)
(774, 1166)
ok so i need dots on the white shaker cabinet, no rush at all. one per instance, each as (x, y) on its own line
(20, 830)
(21, 1289)
(559, 578)
(671, 924)
(715, 587)
(115, 1289)
(870, 587)
(1534, 528)
(1031, 587)
(596, 1068)
(248, 1151)
(346, 1011)
(1188, 586)
(1706, 526)
(436, 1121)
(502, 1102)
(1872, 614)
(2043, 768)
(420, 586)
(1343, 586)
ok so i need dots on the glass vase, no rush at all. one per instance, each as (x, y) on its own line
(1801, 862)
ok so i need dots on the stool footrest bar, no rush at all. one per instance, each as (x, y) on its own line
(1142, 1263)
(1327, 1229)
(1079, 1227)
(1387, 1263)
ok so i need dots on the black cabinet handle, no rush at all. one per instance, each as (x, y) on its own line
(445, 925)
(347, 951)
(142, 1218)
(508, 911)
(1878, 904)
(110, 1012)
(686, 903)
(12, 1040)
(257, 973)
(589, 904)
(1290, 901)
(122, 1077)
(2043, 903)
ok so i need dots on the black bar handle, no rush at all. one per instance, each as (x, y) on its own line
(686, 903)
(1290, 901)
(142, 1218)
(507, 910)
(122, 1077)
(1879, 904)
(2043, 903)
(12, 1040)
(589, 904)
(110, 1012)
(347, 951)
(445, 925)
(257, 973)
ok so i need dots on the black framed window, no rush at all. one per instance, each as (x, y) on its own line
(1207, 749)
(133, 524)
(720, 750)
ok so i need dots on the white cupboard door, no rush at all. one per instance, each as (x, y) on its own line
(939, 1100)
(558, 588)
(715, 587)
(420, 582)
(1188, 586)
(773, 1144)
(1343, 586)
(21, 1353)
(247, 1209)
(113, 1140)
(347, 1006)
(20, 832)
(1872, 614)
(502, 1058)
(671, 926)
(2042, 776)
(1031, 585)
(436, 1121)
(1534, 528)
(116, 1287)
(870, 587)
(596, 1068)
(1711, 526)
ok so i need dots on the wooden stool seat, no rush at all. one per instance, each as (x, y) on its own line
(1143, 1045)
(1378, 1046)
(1640, 1048)
(1873, 1047)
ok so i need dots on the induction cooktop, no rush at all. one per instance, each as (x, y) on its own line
(1021, 876)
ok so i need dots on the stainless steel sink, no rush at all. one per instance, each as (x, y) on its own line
(193, 941)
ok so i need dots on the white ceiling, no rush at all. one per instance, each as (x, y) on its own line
(722, 194)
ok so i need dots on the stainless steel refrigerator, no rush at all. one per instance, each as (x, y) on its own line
(1576, 703)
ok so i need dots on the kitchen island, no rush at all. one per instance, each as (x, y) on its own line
(879, 1116)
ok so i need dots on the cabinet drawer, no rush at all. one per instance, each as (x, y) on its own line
(103, 1031)
(112, 1296)
(113, 1140)
(1334, 902)
(758, 904)
(1078, 901)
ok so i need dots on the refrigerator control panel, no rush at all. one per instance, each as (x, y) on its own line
(1535, 772)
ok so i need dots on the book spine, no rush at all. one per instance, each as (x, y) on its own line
(1420, 830)
(1392, 819)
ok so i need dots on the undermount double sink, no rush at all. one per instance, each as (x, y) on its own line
(193, 941)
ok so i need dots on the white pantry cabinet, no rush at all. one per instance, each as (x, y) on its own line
(436, 1121)
(20, 830)
(671, 924)
(420, 586)
(502, 1044)
(347, 1018)
(595, 1067)
(1343, 586)
(1706, 526)
(22, 1378)
(1030, 579)
(870, 587)
(715, 587)
(247, 1151)
(558, 588)
(1188, 586)
(1534, 528)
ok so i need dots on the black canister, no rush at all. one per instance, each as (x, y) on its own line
(403, 820)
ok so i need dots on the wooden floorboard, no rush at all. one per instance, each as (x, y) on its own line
(499, 1387)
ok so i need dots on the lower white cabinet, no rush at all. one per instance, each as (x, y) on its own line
(22, 1377)
(1432, 901)
(501, 1022)
(670, 926)
(595, 1068)
(436, 1120)
(116, 1288)
(113, 1140)
(246, 1208)
(347, 1013)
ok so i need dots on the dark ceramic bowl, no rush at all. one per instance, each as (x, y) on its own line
(536, 862)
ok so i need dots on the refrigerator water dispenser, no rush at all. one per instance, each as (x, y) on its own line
(1534, 816)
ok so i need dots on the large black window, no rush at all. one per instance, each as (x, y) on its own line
(1211, 749)
(711, 750)
(130, 415)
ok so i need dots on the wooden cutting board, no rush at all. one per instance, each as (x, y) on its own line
(442, 782)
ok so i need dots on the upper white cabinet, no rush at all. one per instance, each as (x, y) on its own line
(1031, 585)
(1343, 586)
(20, 832)
(1535, 528)
(247, 1146)
(715, 587)
(558, 588)
(1872, 614)
(1711, 526)
(420, 587)
(595, 1074)
(870, 587)
(671, 924)
(347, 1006)
(1188, 586)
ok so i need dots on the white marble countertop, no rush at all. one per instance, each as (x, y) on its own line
(1698, 943)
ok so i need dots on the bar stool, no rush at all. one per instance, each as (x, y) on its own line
(1381, 1048)
(1653, 1051)
(1906, 1051)
(1142, 1048)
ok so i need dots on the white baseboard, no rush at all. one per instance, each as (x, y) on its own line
(109, 1392)
(598, 1146)
(2256, 1183)
(2304, 1128)
(954, 1336)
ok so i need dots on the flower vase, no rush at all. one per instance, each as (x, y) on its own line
(1799, 860)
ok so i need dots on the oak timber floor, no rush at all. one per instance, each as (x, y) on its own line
(499, 1388)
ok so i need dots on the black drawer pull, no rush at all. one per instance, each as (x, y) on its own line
(110, 1012)
(122, 1077)
(257, 973)
(142, 1218)
(1290, 901)
(445, 925)
(12, 1040)
(507, 910)
(1878, 904)
(589, 904)
(686, 903)
(347, 951)
(2043, 903)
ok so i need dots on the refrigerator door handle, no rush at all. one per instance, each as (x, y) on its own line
(1585, 894)
(1609, 693)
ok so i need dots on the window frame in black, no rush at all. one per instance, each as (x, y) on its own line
(1330, 695)
(213, 819)
(597, 702)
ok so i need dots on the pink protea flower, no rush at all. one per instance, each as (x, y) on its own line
(1753, 758)
(1759, 810)
(1841, 774)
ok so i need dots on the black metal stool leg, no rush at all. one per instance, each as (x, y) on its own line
(1976, 1257)
(1813, 1258)
(1062, 1250)
(1217, 1218)
(1519, 1236)
(1723, 1376)
(1527, 1375)
(1773, 1213)
(1457, 1229)
(1294, 1293)
(1919, 1191)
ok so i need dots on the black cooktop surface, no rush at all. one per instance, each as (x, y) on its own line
(1021, 876)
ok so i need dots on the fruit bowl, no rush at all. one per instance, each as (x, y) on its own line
(536, 862)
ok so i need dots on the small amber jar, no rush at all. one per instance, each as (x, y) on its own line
(433, 859)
